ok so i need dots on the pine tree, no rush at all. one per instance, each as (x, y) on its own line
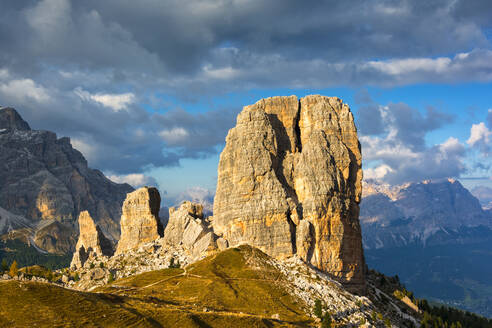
(13, 269)
(4, 265)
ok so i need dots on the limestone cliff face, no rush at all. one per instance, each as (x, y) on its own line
(188, 227)
(140, 222)
(46, 181)
(92, 242)
(427, 213)
(289, 182)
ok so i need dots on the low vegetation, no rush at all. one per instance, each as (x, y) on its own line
(234, 288)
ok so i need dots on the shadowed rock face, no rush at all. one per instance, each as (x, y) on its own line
(92, 241)
(46, 181)
(140, 222)
(289, 182)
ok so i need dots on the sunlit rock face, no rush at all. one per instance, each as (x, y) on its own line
(45, 180)
(289, 182)
(91, 243)
(189, 228)
(140, 222)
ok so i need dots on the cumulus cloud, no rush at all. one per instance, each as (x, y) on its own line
(377, 173)
(136, 180)
(198, 195)
(23, 91)
(405, 165)
(401, 123)
(116, 102)
(479, 134)
(174, 136)
(396, 152)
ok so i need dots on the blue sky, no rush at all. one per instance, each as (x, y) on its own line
(148, 90)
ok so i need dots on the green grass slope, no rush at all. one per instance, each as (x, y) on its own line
(234, 288)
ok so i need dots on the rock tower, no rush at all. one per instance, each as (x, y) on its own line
(140, 222)
(289, 182)
(92, 241)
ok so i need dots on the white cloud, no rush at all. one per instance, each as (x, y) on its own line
(224, 73)
(116, 102)
(174, 135)
(134, 179)
(479, 133)
(377, 173)
(24, 90)
(411, 65)
(199, 195)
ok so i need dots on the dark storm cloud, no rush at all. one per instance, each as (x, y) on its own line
(196, 134)
(68, 65)
(160, 38)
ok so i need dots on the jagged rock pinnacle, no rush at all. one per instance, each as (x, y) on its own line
(140, 220)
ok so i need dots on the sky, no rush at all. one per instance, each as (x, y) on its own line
(147, 90)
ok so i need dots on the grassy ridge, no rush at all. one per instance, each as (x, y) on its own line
(235, 288)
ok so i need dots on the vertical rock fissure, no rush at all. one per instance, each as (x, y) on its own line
(297, 128)
(293, 232)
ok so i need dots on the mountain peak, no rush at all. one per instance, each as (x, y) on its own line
(11, 120)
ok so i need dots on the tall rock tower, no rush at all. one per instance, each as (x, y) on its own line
(289, 182)
(140, 222)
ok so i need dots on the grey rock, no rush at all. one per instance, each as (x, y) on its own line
(222, 244)
(187, 227)
(47, 182)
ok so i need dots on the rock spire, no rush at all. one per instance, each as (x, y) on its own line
(91, 243)
(140, 222)
(289, 182)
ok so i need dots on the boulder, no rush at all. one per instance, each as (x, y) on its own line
(289, 182)
(188, 227)
(140, 222)
(91, 243)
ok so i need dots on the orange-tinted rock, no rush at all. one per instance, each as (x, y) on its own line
(91, 243)
(140, 222)
(288, 161)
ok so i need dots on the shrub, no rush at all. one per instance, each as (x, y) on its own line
(111, 277)
(4, 265)
(92, 266)
(326, 321)
(318, 310)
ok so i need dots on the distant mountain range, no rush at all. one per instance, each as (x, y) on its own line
(435, 235)
(45, 184)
